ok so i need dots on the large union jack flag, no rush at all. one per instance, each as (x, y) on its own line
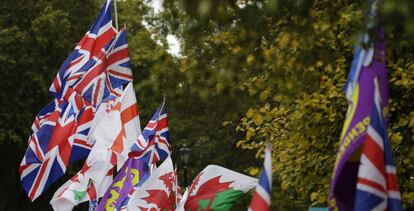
(60, 131)
(98, 36)
(377, 185)
(153, 143)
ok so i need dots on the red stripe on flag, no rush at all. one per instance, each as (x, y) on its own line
(38, 152)
(75, 62)
(129, 113)
(392, 182)
(117, 56)
(92, 74)
(371, 184)
(117, 73)
(82, 143)
(96, 94)
(258, 203)
(162, 123)
(24, 167)
(87, 43)
(74, 77)
(102, 40)
(56, 84)
(38, 179)
(375, 154)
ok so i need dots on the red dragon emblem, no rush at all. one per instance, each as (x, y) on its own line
(206, 193)
(162, 199)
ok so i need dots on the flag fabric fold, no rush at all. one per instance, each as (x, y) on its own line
(364, 177)
(262, 196)
(96, 176)
(216, 188)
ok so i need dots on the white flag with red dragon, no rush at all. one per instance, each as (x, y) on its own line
(216, 188)
(158, 192)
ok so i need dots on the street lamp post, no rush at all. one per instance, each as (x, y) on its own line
(185, 154)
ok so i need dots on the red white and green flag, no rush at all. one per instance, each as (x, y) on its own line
(216, 188)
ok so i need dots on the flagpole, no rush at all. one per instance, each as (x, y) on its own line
(116, 16)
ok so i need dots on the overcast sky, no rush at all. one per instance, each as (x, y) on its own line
(173, 43)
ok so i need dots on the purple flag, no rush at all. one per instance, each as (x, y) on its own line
(366, 91)
(133, 173)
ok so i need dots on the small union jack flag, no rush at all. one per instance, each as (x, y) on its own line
(153, 143)
(261, 198)
(377, 183)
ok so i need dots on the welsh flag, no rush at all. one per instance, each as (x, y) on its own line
(216, 188)
(158, 192)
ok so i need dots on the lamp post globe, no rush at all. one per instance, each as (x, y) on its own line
(185, 155)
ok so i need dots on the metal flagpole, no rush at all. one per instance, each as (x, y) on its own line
(116, 16)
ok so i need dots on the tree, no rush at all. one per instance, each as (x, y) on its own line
(249, 71)
(292, 58)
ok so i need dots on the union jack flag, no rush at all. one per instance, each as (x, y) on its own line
(61, 129)
(377, 185)
(47, 152)
(153, 143)
(109, 69)
(100, 33)
(261, 198)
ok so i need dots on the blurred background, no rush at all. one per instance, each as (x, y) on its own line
(236, 73)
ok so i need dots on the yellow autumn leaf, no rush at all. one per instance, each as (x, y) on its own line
(248, 135)
(284, 185)
(314, 196)
(250, 113)
(226, 123)
(239, 143)
(396, 138)
(254, 171)
(250, 59)
(258, 119)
